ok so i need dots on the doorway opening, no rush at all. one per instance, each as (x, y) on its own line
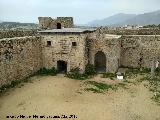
(59, 26)
(100, 62)
(61, 66)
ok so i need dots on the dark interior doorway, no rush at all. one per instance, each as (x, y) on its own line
(62, 66)
(100, 62)
(59, 26)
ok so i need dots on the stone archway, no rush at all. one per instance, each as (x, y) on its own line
(62, 66)
(59, 26)
(100, 61)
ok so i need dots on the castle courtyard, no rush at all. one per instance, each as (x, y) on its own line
(59, 95)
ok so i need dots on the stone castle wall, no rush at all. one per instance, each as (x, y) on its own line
(139, 50)
(110, 46)
(19, 58)
(16, 33)
(141, 31)
(49, 23)
(61, 49)
(22, 56)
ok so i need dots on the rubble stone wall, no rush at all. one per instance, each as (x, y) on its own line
(110, 46)
(139, 50)
(62, 49)
(19, 58)
(122, 31)
(49, 23)
(16, 33)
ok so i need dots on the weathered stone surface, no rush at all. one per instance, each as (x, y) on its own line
(109, 45)
(61, 49)
(22, 56)
(122, 31)
(16, 33)
(139, 50)
(49, 23)
(19, 58)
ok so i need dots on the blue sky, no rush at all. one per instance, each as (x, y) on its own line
(83, 11)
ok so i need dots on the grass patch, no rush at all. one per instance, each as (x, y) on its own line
(133, 72)
(98, 87)
(109, 75)
(94, 90)
(154, 87)
(101, 86)
(12, 84)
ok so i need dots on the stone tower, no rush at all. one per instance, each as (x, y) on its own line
(60, 22)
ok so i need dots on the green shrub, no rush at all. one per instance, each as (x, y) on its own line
(13, 84)
(90, 69)
(75, 74)
(44, 71)
(146, 70)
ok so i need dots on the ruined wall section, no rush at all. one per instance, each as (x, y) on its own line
(61, 49)
(138, 50)
(16, 33)
(19, 58)
(50, 23)
(66, 22)
(109, 45)
(122, 31)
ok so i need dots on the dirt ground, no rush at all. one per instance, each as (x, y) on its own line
(58, 95)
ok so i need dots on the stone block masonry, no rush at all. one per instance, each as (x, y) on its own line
(16, 33)
(139, 50)
(19, 58)
(62, 49)
(60, 22)
(22, 56)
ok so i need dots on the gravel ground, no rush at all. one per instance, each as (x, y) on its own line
(58, 95)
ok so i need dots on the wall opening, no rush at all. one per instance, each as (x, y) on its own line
(100, 62)
(59, 26)
(62, 66)
(49, 43)
(74, 44)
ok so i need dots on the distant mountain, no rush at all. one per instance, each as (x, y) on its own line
(128, 19)
(115, 19)
(1, 21)
(144, 19)
(17, 25)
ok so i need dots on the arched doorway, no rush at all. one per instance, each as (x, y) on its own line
(59, 26)
(100, 62)
(62, 66)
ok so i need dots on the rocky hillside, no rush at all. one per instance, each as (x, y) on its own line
(17, 25)
(129, 19)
